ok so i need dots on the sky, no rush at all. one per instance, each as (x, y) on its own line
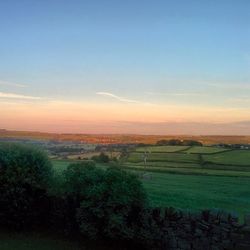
(145, 67)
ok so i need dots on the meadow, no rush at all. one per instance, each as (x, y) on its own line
(191, 178)
(195, 177)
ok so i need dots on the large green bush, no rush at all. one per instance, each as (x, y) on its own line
(25, 174)
(107, 202)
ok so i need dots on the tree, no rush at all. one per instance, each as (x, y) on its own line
(162, 143)
(25, 175)
(107, 201)
(102, 158)
(191, 143)
(174, 142)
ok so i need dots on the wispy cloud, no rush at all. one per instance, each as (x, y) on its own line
(119, 98)
(12, 84)
(175, 94)
(17, 96)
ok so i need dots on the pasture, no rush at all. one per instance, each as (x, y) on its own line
(199, 192)
(192, 160)
(162, 149)
(195, 177)
(192, 177)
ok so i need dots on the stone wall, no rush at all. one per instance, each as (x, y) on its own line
(208, 230)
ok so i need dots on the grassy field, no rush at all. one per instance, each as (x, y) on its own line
(204, 150)
(60, 165)
(188, 185)
(209, 160)
(164, 149)
(235, 157)
(163, 157)
(195, 177)
(199, 192)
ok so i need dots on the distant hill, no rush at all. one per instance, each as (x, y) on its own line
(121, 138)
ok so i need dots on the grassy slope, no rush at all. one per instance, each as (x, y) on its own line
(205, 150)
(180, 180)
(237, 157)
(194, 191)
(159, 149)
(199, 192)
(164, 157)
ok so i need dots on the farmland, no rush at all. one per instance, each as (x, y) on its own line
(191, 177)
(195, 177)
(190, 160)
(199, 192)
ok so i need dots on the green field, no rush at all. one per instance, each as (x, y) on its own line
(164, 157)
(195, 177)
(181, 180)
(164, 149)
(204, 150)
(199, 192)
(203, 160)
(60, 165)
(235, 157)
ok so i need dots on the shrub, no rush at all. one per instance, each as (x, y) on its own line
(102, 158)
(107, 202)
(191, 143)
(25, 174)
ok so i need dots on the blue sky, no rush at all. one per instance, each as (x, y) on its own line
(182, 53)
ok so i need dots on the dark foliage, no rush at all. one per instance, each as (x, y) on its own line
(107, 202)
(177, 142)
(25, 174)
(103, 204)
(102, 158)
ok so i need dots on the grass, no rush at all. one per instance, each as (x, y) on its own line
(205, 150)
(235, 157)
(164, 164)
(179, 180)
(192, 171)
(162, 149)
(164, 157)
(199, 192)
(61, 165)
(196, 178)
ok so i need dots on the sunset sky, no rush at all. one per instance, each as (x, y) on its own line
(134, 66)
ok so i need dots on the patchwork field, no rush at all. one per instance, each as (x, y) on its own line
(191, 160)
(192, 177)
(205, 150)
(163, 157)
(164, 149)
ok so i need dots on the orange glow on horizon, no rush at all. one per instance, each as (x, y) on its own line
(62, 116)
